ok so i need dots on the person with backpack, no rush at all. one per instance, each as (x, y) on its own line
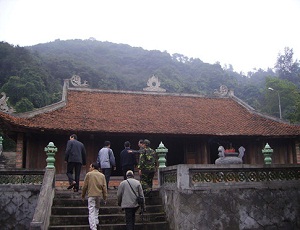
(106, 161)
(128, 192)
(147, 167)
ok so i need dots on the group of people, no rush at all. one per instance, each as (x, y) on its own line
(97, 179)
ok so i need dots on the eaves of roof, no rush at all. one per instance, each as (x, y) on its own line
(161, 113)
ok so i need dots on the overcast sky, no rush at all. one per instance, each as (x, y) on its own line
(245, 33)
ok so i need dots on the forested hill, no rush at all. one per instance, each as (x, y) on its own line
(32, 77)
(117, 66)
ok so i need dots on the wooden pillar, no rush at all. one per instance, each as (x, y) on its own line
(297, 152)
(290, 153)
(20, 149)
(204, 153)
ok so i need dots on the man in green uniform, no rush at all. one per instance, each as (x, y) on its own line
(147, 167)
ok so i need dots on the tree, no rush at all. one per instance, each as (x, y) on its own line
(294, 115)
(23, 105)
(287, 68)
(28, 85)
(289, 99)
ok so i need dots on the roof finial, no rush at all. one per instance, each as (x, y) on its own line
(154, 85)
(3, 104)
(76, 81)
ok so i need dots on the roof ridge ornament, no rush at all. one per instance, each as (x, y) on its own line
(154, 85)
(3, 104)
(76, 81)
(223, 91)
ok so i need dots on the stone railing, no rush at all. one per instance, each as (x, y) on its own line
(42, 212)
(21, 176)
(209, 176)
(41, 217)
(231, 196)
(26, 196)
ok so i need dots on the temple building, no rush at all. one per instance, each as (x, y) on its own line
(191, 126)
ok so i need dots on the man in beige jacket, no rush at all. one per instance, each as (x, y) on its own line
(94, 186)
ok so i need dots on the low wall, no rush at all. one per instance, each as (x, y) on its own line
(234, 197)
(19, 193)
(17, 205)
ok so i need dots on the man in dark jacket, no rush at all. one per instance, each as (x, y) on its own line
(128, 159)
(75, 156)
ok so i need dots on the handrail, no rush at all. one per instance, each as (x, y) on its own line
(41, 217)
(221, 176)
(21, 176)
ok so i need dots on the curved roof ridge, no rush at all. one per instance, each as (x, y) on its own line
(138, 92)
(252, 110)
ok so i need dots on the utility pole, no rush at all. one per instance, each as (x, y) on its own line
(279, 104)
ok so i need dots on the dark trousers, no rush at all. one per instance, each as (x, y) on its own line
(126, 168)
(70, 167)
(107, 173)
(130, 218)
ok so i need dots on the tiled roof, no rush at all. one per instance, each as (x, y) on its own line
(125, 112)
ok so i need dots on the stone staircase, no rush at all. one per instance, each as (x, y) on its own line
(7, 160)
(70, 212)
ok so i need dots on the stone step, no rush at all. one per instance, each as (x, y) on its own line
(61, 181)
(109, 202)
(105, 219)
(64, 193)
(69, 211)
(70, 198)
(83, 210)
(138, 226)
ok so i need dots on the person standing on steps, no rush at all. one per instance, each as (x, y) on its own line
(127, 159)
(147, 167)
(94, 186)
(138, 152)
(106, 161)
(75, 157)
(127, 193)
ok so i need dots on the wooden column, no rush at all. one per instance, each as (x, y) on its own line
(297, 152)
(204, 153)
(19, 152)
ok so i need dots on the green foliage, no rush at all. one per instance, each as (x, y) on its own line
(27, 85)
(287, 68)
(294, 115)
(12, 60)
(22, 75)
(23, 105)
(289, 96)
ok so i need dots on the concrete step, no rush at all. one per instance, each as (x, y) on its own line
(69, 211)
(83, 210)
(138, 226)
(105, 219)
(62, 181)
(69, 198)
